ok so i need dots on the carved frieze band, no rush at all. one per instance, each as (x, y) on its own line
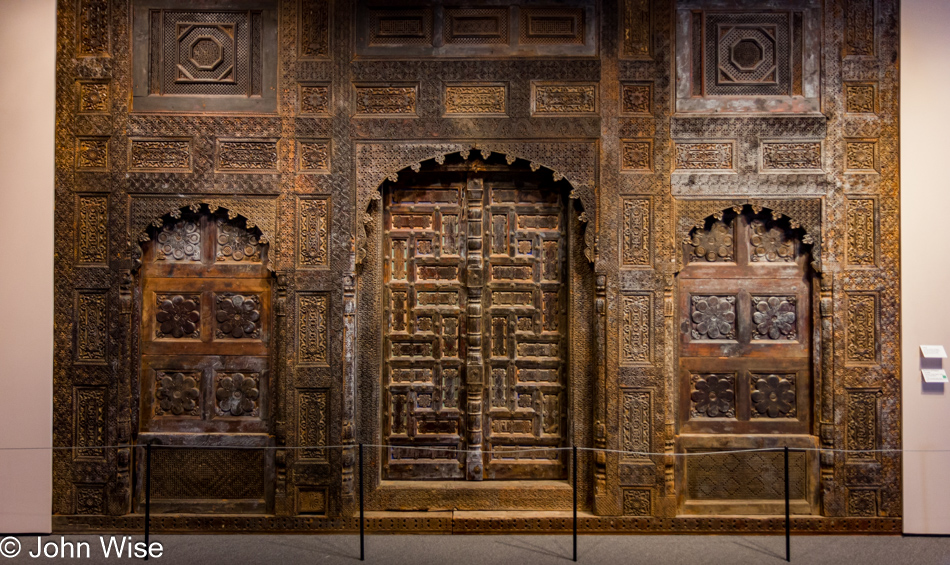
(861, 332)
(245, 155)
(313, 232)
(636, 243)
(637, 424)
(559, 99)
(91, 326)
(637, 32)
(862, 232)
(384, 101)
(92, 237)
(637, 329)
(486, 99)
(704, 156)
(804, 156)
(312, 420)
(171, 155)
(314, 25)
(313, 312)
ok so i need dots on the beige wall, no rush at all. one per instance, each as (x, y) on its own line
(27, 88)
(925, 210)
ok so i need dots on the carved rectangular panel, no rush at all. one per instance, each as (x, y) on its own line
(563, 26)
(563, 99)
(314, 99)
(312, 421)
(636, 155)
(208, 474)
(637, 502)
(94, 97)
(636, 99)
(862, 425)
(862, 232)
(89, 499)
(92, 235)
(90, 422)
(92, 154)
(704, 156)
(160, 155)
(637, 29)
(796, 156)
(312, 500)
(313, 155)
(861, 331)
(91, 326)
(745, 476)
(747, 54)
(860, 97)
(248, 156)
(386, 100)
(313, 232)
(859, 28)
(476, 26)
(636, 238)
(94, 31)
(400, 26)
(482, 99)
(636, 329)
(636, 430)
(862, 502)
(313, 312)
(314, 32)
(860, 155)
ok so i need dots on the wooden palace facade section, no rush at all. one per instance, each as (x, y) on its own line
(471, 235)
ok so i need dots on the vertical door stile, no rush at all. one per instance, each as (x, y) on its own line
(474, 363)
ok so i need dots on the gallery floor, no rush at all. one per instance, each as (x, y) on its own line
(525, 549)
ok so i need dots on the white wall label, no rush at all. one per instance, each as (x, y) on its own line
(934, 375)
(933, 351)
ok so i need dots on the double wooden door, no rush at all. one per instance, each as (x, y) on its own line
(475, 318)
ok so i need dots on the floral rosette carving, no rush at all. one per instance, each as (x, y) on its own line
(713, 396)
(714, 244)
(773, 397)
(713, 317)
(237, 395)
(179, 241)
(177, 394)
(236, 244)
(774, 317)
(770, 244)
(238, 316)
(178, 316)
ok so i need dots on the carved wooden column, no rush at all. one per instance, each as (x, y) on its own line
(348, 434)
(121, 500)
(600, 392)
(283, 504)
(826, 365)
(474, 364)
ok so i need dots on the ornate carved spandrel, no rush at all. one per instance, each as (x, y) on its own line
(784, 156)
(313, 312)
(636, 99)
(552, 26)
(89, 499)
(94, 31)
(94, 97)
(386, 100)
(712, 395)
(773, 395)
(248, 156)
(92, 236)
(172, 155)
(177, 393)
(313, 232)
(314, 29)
(475, 26)
(862, 502)
(636, 155)
(637, 236)
(312, 418)
(234, 243)
(91, 326)
(466, 100)
(716, 244)
(314, 99)
(861, 330)
(704, 156)
(237, 395)
(90, 422)
(862, 425)
(637, 29)
(858, 28)
(313, 156)
(179, 241)
(861, 155)
(563, 99)
(237, 316)
(178, 316)
(92, 154)
(637, 329)
(636, 430)
(860, 97)
(862, 232)
(774, 318)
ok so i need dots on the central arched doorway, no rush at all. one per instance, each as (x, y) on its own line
(475, 261)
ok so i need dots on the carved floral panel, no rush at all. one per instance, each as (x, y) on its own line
(247, 156)
(313, 156)
(313, 232)
(237, 394)
(636, 329)
(237, 316)
(564, 98)
(94, 97)
(717, 244)
(476, 99)
(160, 155)
(636, 99)
(861, 156)
(861, 328)
(773, 396)
(712, 395)
(178, 316)
(314, 99)
(783, 156)
(386, 100)
(704, 156)
(92, 238)
(91, 326)
(713, 317)
(636, 238)
(312, 328)
(636, 155)
(774, 317)
(862, 232)
(177, 393)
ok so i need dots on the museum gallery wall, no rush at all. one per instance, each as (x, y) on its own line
(475, 235)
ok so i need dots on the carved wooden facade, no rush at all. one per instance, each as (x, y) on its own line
(653, 227)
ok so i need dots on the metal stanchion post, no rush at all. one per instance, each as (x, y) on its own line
(361, 503)
(574, 473)
(788, 521)
(148, 491)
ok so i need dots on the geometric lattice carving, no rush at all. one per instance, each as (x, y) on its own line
(713, 396)
(704, 156)
(400, 26)
(862, 232)
(773, 396)
(862, 424)
(312, 328)
(312, 417)
(207, 474)
(314, 29)
(636, 425)
(637, 29)
(90, 499)
(481, 99)
(861, 328)
(747, 54)
(91, 326)
(637, 229)
(560, 26)
(90, 418)
(92, 237)
(713, 317)
(636, 325)
(745, 476)
(313, 231)
(637, 155)
(476, 26)
(637, 502)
